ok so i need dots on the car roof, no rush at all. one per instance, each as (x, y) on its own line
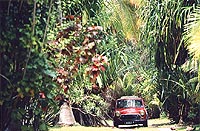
(129, 97)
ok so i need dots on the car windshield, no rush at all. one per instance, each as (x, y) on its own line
(129, 103)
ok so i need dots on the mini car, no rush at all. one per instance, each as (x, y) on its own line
(130, 110)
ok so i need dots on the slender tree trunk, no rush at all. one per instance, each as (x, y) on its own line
(66, 115)
(181, 115)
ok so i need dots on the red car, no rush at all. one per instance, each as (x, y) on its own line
(130, 110)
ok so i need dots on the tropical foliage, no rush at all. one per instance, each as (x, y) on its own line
(90, 53)
(27, 90)
(163, 32)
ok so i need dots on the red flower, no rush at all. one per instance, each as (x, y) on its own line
(65, 88)
(95, 68)
(95, 74)
(44, 108)
(102, 68)
(42, 95)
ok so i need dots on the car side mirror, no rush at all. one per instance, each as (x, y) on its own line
(146, 107)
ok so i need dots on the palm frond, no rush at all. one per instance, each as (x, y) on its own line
(192, 30)
(121, 15)
(190, 65)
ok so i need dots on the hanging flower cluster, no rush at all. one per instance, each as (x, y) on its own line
(76, 46)
(99, 64)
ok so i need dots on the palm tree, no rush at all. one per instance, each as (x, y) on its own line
(163, 28)
(192, 32)
(120, 16)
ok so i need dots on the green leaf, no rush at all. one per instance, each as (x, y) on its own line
(25, 128)
(50, 73)
(49, 96)
(43, 127)
(27, 89)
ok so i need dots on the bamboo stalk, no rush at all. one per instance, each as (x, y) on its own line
(47, 24)
(33, 31)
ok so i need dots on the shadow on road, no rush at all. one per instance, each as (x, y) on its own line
(162, 124)
(129, 126)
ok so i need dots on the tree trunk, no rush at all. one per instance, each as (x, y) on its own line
(66, 115)
(88, 119)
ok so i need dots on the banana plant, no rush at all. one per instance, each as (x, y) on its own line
(192, 42)
(163, 32)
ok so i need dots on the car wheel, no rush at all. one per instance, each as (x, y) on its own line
(115, 124)
(145, 123)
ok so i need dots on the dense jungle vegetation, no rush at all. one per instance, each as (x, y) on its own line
(90, 53)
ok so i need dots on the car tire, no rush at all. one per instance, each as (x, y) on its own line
(145, 123)
(115, 124)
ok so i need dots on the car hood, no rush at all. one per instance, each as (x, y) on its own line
(129, 110)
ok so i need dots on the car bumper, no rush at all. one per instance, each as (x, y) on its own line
(129, 120)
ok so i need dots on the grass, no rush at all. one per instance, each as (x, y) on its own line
(154, 125)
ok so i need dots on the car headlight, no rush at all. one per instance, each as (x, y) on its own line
(117, 113)
(142, 112)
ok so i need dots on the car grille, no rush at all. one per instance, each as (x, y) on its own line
(132, 117)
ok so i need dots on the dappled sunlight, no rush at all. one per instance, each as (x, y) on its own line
(64, 65)
(81, 128)
(160, 124)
